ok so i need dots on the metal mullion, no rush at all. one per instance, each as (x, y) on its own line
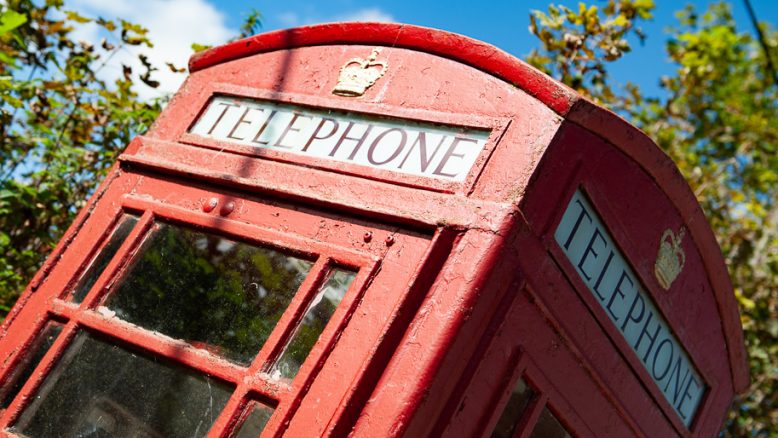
(254, 233)
(63, 309)
(530, 418)
(58, 307)
(42, 371)
(314, 360)
(294, 311)
(273, 346)
(247, 232)
(227, 422)
(85, 264)
(176, 351)
(336, 323)
(491, 414)
(119, 260)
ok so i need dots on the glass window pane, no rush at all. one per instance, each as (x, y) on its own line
(548, 427)
(255, 422)
(98, 264)
(100, 390)
(217, 294)
(319, 312)
(33, 357)
(518, 401)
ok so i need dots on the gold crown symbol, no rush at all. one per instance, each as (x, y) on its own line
(357, 75)
(670, 258)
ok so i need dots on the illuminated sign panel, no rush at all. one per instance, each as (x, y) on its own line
(585, 240)
(396, 145)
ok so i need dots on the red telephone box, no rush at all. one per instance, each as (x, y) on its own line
(378, 230)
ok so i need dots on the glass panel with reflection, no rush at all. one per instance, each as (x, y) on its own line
(549, 427)
(255, 422)
(98, 264)
(316, 317)
(98, 390)
(213, 292)
(32, 358)
(518, 401)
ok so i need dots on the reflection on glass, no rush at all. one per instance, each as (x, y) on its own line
(100, 390)
(217, 294)
(255, 422)
(520, 397)
(548, 427)
(319, 312)
(33, 357)
(120, 233)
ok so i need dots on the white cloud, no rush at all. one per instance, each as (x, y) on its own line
(173, 26)
(291, 19)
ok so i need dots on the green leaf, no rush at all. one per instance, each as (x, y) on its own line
(10, 20)
(75, 16)
(199, 47)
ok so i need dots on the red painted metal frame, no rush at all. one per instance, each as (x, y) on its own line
(473, 294)
(149, 198)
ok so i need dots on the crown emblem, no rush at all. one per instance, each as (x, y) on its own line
(357, 75)
(670, 258)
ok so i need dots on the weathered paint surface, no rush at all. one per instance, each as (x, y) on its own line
(462, 289)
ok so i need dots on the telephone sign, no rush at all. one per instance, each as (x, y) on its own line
(405, 146)
(606, 272)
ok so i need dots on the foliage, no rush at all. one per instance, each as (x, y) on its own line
(577, 45)
(218, 294)
(717, 122)
(61, 126)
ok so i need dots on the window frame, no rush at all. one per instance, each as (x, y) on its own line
(252, 385)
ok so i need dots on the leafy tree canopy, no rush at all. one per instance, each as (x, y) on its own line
(717, 121)
(61, 126)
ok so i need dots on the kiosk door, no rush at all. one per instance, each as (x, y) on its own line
(200, 310)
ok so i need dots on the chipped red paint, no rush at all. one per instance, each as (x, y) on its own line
(461, 289)
(459, 48)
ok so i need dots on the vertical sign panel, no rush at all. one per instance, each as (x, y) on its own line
(600, 264)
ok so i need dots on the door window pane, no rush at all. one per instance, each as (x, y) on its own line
(548, 427)
(316, 317)
(518, 401)
(98, 264)
(100, 390)
(255, 422)
(33, 357)
(215, 293)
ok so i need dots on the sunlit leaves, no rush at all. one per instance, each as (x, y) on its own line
(10, 20)
(576, 43)
(61, 126)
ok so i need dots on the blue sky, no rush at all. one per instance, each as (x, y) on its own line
(176, 23)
